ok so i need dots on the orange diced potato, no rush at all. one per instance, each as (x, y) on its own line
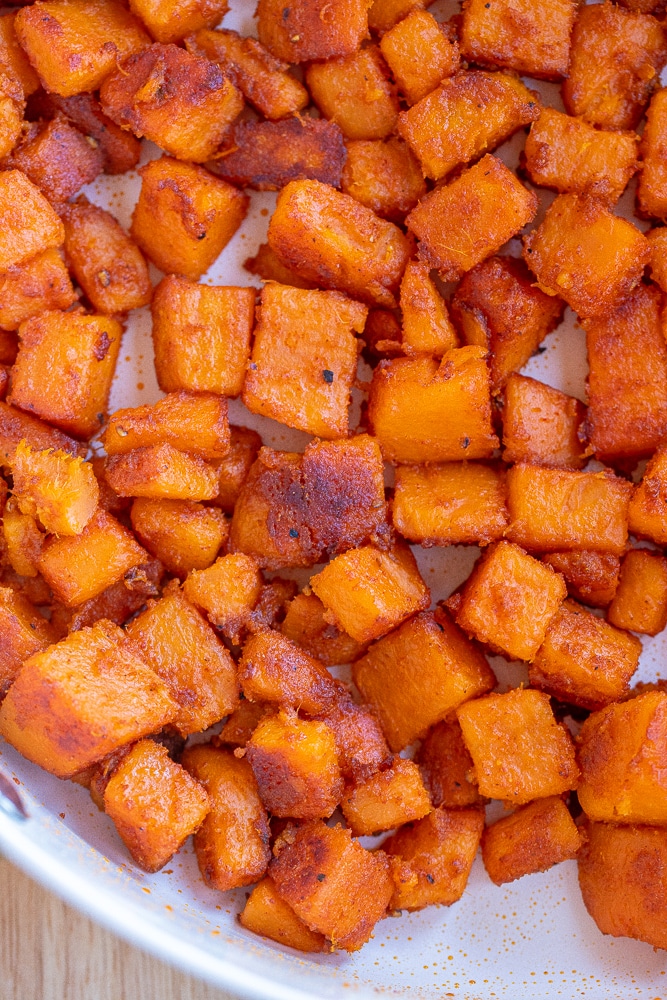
(232, 844)
(59, 490)
(64, 369)
(467, 115)
(362, 748)
(328, 237)
(640, 603)
(408, 701)
(591, 577)
(190, 421)
(388, 799)
(306, 625)
(657, 239)
(234, 468)
(272, 668)
(79, 568)
(23, 632)
(332, 883)
(627, 380)
(242, 723)
(154, 803)
(182, 534)
(647, 512)
(161, 472)
(651, 197)
(304, 382)
(568, 154)
(267, 266)
(519, 751)
(194, 664)
(426, 325)
(120, 150)
(16, 426)
(83, 698)
(533, 39)
(316, 30)
(542, 425)
(38, 285)
(28, 223)
(621, 748)
(461, 224)
(498, 307)
(446, 766)
(106, 263)
(117, 603)
(12, 56)
(356, 93)
(172, 20)
(227, 591)
(431, 859)
(57, 158)
(532, 839)
(509, 600)
(615, 61)
(424, 411)
(384, 14)
(185, 216)
(367, 592)
(12, 107)
(23, 540)
(561, 509)
(265, 913)
(459, 503)
(75, 44)
(384, 176)
(583, 660)
(420, 54)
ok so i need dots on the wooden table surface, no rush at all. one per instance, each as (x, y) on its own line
(48, 951)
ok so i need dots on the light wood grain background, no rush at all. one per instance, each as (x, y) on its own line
(48, 951)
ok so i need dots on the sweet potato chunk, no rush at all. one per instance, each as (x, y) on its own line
(28, 223)
(117, 603)
(647, 512)
(362, 748)
(640, 603)
(59, 490)
(154, 803)
(267, 914)
(312, 30)
(542, 425)
(420, 53)
(651, 197)
(23, 632)
(23, 540)
(12, 107)
(182, 534)
(57, 158)
(388, 799)
(39, 285)
(533, 39)
(161, 472)
(83, 698)
(12, 56)
(172, 20)
(446, 766)
(274, 669)
(532, 839)
(427, 328)
(591, 577)
(306, 625)
(16, 426)
(657, 239)
(227, 591)
(120, 150)
(384, 176)
(234, 468)
(384, 14)
(193, 422)
(355, 92)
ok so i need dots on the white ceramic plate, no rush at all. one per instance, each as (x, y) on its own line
(529, 939)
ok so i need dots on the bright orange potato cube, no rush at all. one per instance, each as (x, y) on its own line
(532, 839)
(583, 660)
(446, 766)
(316, 30)
(28, 223)
(242, 723)
(542, 425)
(39, 285)
(647, 512)
(519, 751)
(117, 603)
(509, 600)
(12, 56)
(265, 913)
(388, 799)
(16, 426)
(384, 14)
(408, 701)
(182, 534)
(533, 39)
(234, 468)
(461, 224)
(193, 422)
(274, 669)
(356, 93)
(57, 158)
(305, 624)
(427, 328)
(161, 472)
(59, 490)
(172, 20)
(657, 239)
(83, 698)
(384, 176)
(23, 540)
(640, 603)
(12, 108)
(154, 803)
(227, 591)
(651, 197)
(23, 631)
(591, 577)
(420, 53)
(367, 591)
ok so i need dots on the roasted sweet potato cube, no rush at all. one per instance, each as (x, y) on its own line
(64, 368)
(467, 115)
(640, 603)
(191, 421)
(356, 93)
(117, 603)
(562, 509)
(591, 577)
(23, 631)
(651, 197)
(362, 748)
(657, 239)
(408, 701)
(315, 30)
(384, 14)
(498, 307)
(12, 56)
(627, 379)
(227, 591)
(590, 257)
(81, 567)
(623, 881)
(242, 723)
(161, 472)
(12, 107)
(38, 285)
(621, 748)
(446, 766)
(306, 625)
(232, 844)
(542, 425)
(182, 534)
(180, 101)
(647, 512)
(23, 540)
(59, 490)
(120, 150)
(265, 913)
(615, 61)
(427, 328)
(75, 44)
(431, 859)
(295, 762)
(16, 426)
(367, 592)
(234, 468)
(388, 799)
(57, 158)
(583, 660)
(274, 669)
(384, 176)
(83, 698)
(304, 382)
(519, 751)
(509, 600)
(332, 883)
(262, 79)
(420, 53)
(194, 664)
(154, 803)
(106, 263)
(185, 216)
(532, 839)
(459, 503)
(172, 20)
(28, 223)
(533, 39)
(424, 411)
(568, 154)
(461, 224)
(329, 238)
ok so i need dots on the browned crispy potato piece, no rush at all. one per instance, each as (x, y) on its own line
(242, 723)
(532, 839)
(384, 176)
(192, 421)
(272, 668)
(657, 239)
(387, 800)
(227, 591)
(446, 766)
(533, 39)
(362, 748)
(161, 472)
(356, 93)
(542, 425)
(306, 625)
(12, 56)
(23, 631)
(234, 468)
(640, 602)
(172, 20)
(58, 489)
(384, 14)
(591, 577)
(265, 913)
(23, 540)
(120, 150)
(57, 158)
(38, 285)
(28, 223)
(420, 53)
(312, 30)
(183, 534)
(12, 107)
(16, 426)
(651, 197)
(647, 513)
(117, 603)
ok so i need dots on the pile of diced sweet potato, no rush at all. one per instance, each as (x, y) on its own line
(141, 600)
